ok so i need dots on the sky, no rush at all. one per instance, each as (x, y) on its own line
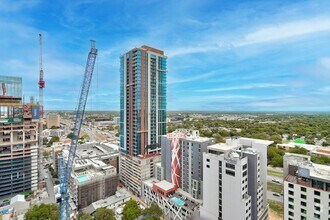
(222, 55)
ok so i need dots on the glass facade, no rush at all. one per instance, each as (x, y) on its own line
(142, 100)
(122, 106)
(10, 86)
(15, 176)
(137, 109)
(162, 66)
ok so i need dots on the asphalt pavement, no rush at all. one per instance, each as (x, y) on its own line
(270, 196)
(49, 186)
(271, 177)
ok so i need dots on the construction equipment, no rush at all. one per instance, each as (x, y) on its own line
(65, 167)
(41, 84)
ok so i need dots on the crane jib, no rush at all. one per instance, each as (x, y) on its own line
(66, 167)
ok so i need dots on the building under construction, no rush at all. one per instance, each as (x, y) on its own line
(94, 174)
(18, 140)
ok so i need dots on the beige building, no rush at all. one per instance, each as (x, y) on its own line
(95, 173)
(53, 120)
(135, 170)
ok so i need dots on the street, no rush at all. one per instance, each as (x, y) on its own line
(270, 196)
(49, 186)
(271, 177)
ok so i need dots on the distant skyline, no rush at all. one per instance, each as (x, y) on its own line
(222, 55)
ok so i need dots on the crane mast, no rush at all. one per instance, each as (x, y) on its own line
(65, 167)
(41, 84)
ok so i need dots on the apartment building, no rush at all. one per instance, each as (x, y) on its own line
(18, 140)
(94, 174)
(190, 160)
(53, 120)
(143, 73)
(135, 170)
(306, 188)
(235, 185)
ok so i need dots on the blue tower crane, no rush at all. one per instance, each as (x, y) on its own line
(65, 167)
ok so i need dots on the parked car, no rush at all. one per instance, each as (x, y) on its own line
(276, 194)
(276, 181)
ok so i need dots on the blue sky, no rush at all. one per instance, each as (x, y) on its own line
(222, 55)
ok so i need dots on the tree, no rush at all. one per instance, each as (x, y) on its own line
(45, 153)
(323, 159)
(131, 210)
(275, 157)
(54, 127)
(104, 214)
(298, 150)
(43, 211)
(277, 161)
(218, 138)
(153, 212)
(85, 136)
(69, 135)
(84, 216)
(325, 143)
(52, 140)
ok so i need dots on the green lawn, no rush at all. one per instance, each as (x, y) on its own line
(275, 173)
(277, 207)
(274, 187)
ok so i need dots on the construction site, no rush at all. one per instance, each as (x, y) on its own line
(95, 174)
(18, 140)
(85, 176)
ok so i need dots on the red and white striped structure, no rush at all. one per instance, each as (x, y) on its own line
(176, 155)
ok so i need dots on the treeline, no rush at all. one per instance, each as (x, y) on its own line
(267, 127)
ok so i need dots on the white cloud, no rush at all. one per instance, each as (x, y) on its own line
(190, 79)
(291, 103)
(216, 46)
(244, 87)
(276, 32)
(270, 32)
(323, 91)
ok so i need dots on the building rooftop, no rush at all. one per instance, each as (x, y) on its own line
(191, 135)
(89, 165)
(244, 141)
(322, 151)
(179, 197)
(120, 195)
(150, 182)
(94, 149)
(308, 169)
(236, 143)
(222, 147)
(164, 185)
(308, 147)
(154, 50)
